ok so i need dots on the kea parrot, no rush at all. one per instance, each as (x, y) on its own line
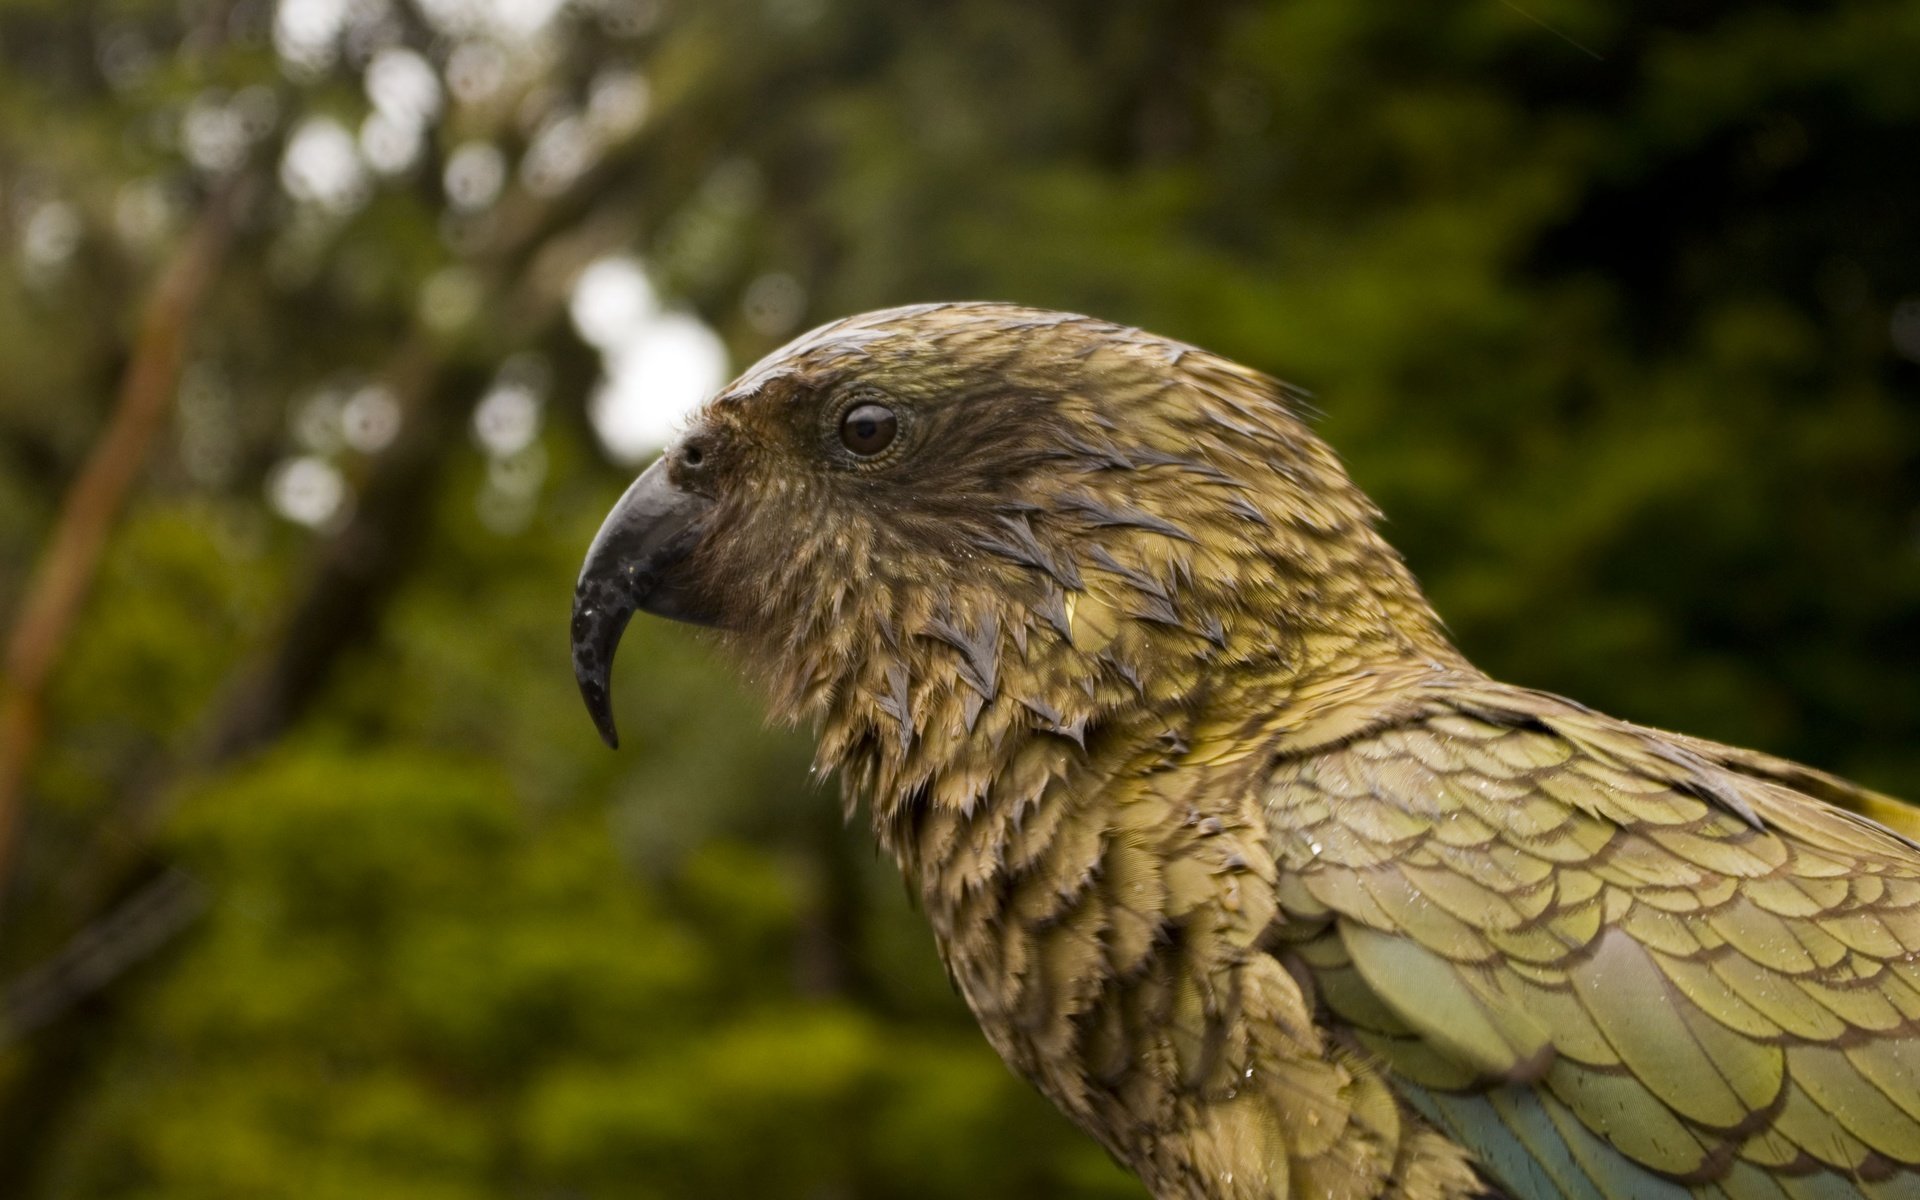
(1231, 853)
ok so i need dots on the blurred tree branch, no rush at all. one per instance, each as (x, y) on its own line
(102, 952)
(71, 558)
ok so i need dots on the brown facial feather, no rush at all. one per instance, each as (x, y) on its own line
(1114, 509)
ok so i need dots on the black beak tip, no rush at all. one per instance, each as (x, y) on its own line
(596, 634)
(600, 708)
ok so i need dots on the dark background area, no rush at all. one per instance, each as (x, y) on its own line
(314, 879)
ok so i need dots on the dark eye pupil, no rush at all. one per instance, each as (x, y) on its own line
(868, 429)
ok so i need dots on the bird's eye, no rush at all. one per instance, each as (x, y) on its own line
(867, 429)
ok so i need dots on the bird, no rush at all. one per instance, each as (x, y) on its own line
(1231, 853)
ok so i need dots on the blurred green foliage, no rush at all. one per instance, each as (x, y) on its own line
(1615, 308)
(411, 985)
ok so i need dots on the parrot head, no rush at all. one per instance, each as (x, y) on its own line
(974, 523)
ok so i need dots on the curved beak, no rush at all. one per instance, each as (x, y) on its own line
(632, 566)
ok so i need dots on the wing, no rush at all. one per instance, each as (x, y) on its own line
(1608, 962)
(1897, 815)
